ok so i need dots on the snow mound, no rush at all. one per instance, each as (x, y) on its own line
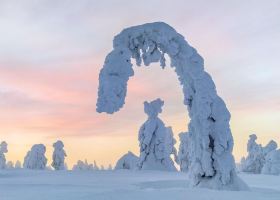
(210, 134)
(127, 161)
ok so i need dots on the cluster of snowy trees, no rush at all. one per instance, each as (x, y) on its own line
(35, 158)
(85, 166)
(260, 159)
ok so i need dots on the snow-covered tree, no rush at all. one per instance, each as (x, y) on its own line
(272, 163)
(257, 154)
(83, 166)
(255, 159)
(127, 161)
(18, 164)
(58, 156)
(183, 158)
(10, 165)
(156, 140)
(212, 163)
(95, 166)
(3, 150)
(110, 167)
(102, 167)
(35, 158)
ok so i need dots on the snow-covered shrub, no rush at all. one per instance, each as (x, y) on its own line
(102, 167)
(35, 158)
(18, 164)
(272, 163)
(3, 150)
(127, 161)
(183, 157)
(211, 162)
(58, 156)
(156, 140)
(83, 166)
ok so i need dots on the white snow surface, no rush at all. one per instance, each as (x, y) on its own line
(155, 140)
(211, 138)
(124, 185)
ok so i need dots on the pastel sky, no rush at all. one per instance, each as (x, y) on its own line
(51, 53)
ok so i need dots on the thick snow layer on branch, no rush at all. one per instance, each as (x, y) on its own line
(58, 156)
(183, 157)
(35, 158)
(3, 150)
(156, 140)
(211, 139)
(127, 161)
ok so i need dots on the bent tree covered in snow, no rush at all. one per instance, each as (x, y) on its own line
(212, 163)
(156, 140)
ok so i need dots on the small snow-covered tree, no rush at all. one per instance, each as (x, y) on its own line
(102, 167)
(95, 166)
(18, 164)
(3, 150)
(256, 158)
(10, 165)
(83, 166)
(127, 161)
(58, 156)
(35, 158)
(272, 163)
(110, 167)
(183, 158)
(156, 140)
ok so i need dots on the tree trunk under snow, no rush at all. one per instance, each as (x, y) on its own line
(212, 164)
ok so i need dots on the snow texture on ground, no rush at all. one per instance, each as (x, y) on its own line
(124, 185)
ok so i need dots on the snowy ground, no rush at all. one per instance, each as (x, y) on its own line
(124, 185)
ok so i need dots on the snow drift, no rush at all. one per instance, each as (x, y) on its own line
(211, 140)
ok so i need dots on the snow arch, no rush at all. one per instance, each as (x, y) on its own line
(212, 163)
